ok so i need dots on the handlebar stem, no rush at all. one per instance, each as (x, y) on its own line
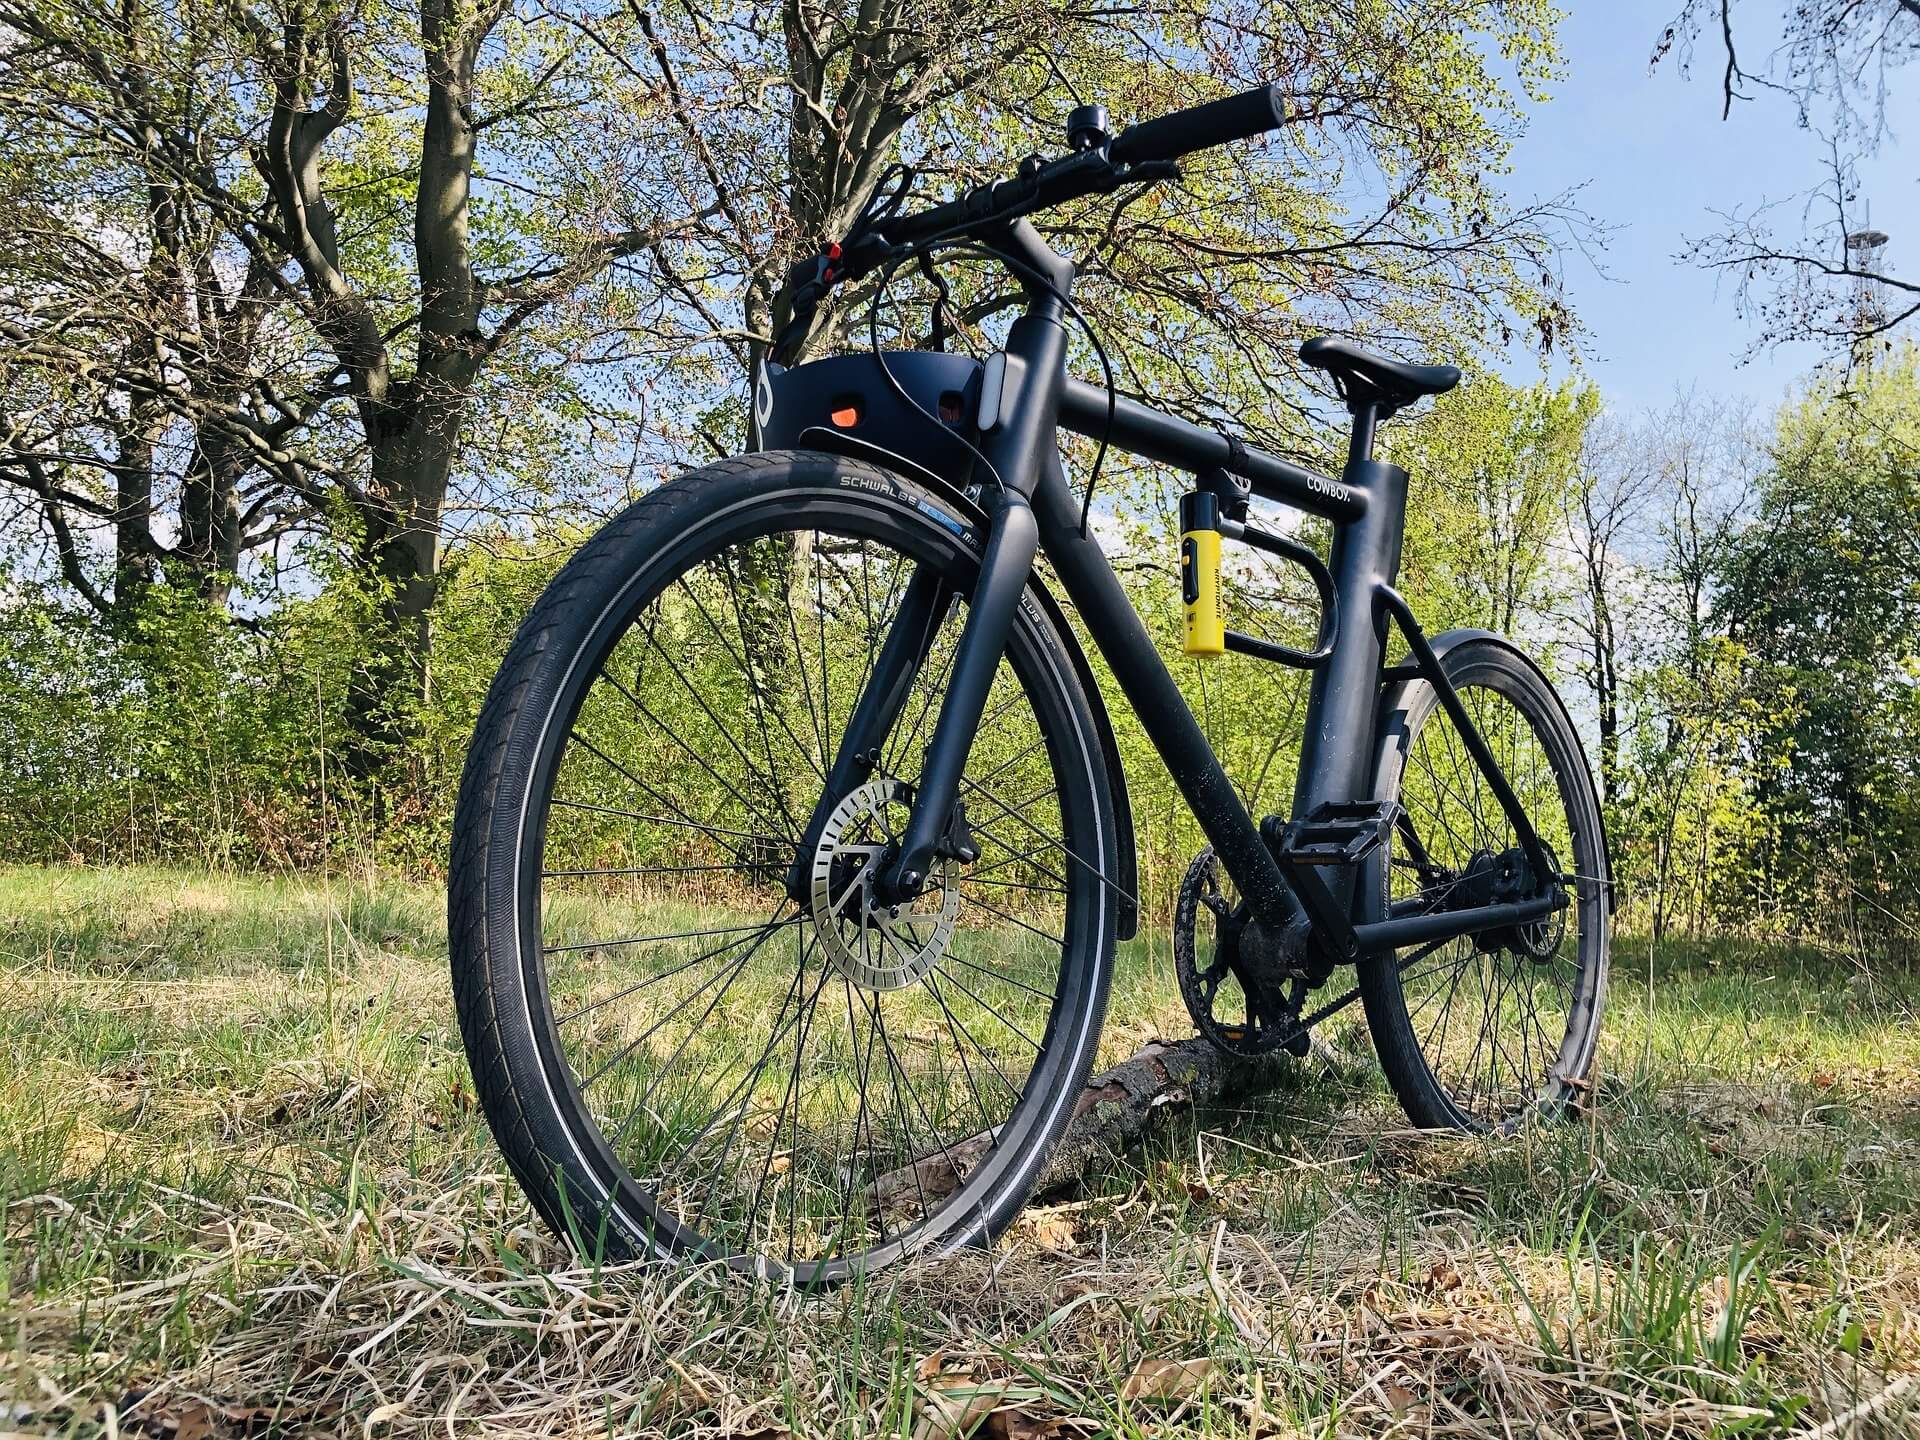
(1022, 243)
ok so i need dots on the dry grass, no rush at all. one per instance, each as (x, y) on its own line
(245, 1193)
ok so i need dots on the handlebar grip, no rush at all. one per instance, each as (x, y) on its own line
(1218, 122)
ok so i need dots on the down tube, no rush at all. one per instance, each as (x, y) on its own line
(1109, 616)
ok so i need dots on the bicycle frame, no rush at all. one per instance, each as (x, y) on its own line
(1032, 511)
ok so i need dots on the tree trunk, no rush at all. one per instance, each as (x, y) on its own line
(399, 556)
(1606, 692)
(413, 425)
(132, 511)
(210, 528)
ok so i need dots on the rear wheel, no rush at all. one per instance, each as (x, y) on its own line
(693, 1036)
(1483, 1031)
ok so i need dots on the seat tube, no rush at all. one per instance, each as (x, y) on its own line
(1337, 753)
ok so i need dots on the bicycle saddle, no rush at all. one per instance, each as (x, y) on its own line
(1366, 377)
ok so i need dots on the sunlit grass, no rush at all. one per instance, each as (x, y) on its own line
(239, 1158)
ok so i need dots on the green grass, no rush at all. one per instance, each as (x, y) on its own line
(245, 1188)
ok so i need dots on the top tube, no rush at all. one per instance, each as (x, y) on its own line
(1141, 430)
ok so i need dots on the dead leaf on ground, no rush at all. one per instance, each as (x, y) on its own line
(1019, 1425)
(1053, 1231)
(931, 1366)
(1198, 1190)
(956, 1406)
(1400, 1398)
(1442, 1278)
(1165, 1380)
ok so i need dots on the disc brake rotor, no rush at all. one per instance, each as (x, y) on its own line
(875, 945)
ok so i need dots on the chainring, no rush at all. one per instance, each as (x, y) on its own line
(1265, 1028)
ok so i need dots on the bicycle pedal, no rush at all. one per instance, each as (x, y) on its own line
(1337, 834)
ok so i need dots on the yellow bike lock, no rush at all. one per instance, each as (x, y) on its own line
(1203, 632)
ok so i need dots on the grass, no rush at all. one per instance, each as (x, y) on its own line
(246, 1191)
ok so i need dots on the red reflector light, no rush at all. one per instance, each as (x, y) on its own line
(846, 417)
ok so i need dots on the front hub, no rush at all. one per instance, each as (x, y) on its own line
(875, 944)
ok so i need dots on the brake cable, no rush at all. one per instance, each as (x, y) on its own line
(964, 245)
(1021, 269)
(887, 271)
(942, 302)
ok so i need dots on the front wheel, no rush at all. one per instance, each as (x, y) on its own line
(1480, 1032)
(691, 1033)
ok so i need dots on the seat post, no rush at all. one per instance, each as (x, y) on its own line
(1366, 414)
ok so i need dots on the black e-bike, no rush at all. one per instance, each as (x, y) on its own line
(793, 845)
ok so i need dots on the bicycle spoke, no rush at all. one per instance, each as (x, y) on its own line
(748, 1115)
(1490, 1016)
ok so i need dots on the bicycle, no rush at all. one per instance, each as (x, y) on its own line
(794, 846)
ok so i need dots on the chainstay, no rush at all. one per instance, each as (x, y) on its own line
(1304, 1024)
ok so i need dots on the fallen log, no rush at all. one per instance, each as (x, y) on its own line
(1118, 1109)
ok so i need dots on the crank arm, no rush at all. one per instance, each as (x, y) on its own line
(1333, 1007)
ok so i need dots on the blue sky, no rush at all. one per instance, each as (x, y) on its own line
(1657, 162)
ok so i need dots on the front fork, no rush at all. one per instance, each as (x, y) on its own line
(1020, 436)
(1013, 541)
(923, 608)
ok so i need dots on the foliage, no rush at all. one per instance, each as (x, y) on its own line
(1765, 661)
(323, 276)
(1821, 592)
(1494, 466)
(185, 736)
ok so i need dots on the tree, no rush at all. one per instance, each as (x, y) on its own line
(1835, 64)
(1685, 709)
(1606, 509)
(1820, 592)
(1359, 217)
(255, 273)
(1494, 466)
(318, 241)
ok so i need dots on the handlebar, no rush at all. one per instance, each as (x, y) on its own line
(1218, 122)
(1039, 186)
(1143, 152)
